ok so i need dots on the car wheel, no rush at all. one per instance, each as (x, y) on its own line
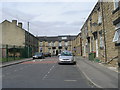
(74, 63)
(59, 63)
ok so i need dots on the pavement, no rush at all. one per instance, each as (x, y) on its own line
(99, 74)
(14, 62)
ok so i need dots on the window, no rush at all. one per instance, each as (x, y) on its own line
(41, 43)
(60, 44)
(49, 44)
(116, 4)
(117, 36)
(64, 37)
(117, 26)
(49, 49)
(99, 19)
(66, 43)
(52, 43)
(101, 42)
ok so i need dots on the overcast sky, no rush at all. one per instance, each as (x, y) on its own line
(49, 18)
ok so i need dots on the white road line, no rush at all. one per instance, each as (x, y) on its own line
(15, 70)
(70, 80)
(89, 79)
(48, 72)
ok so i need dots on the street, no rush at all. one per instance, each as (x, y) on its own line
(43, 73)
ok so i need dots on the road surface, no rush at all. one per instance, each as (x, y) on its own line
(43, 73)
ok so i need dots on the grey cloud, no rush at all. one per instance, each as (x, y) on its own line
(75, 12)
(50, 29)
(17, 14)
(77, 23)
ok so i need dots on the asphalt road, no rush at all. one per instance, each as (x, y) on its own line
(43, 73)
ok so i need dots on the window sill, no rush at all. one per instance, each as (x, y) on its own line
(117, 9)
(117, 44)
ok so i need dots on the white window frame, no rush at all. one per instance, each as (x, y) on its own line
(101, 42)
(64, 38)
(52, 44)
(99, 18)
(60, 43)
(116, 38)
(116, 4)
(41, 43)
(66, 43)
(49, 44)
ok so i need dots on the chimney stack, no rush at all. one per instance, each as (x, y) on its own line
(20, 24)
(14, 22)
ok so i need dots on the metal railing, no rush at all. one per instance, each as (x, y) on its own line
(12, 52)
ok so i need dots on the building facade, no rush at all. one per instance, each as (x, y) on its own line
(55, 44)
(14, 35)
(77, 45)
(99, 32)
(116, 23)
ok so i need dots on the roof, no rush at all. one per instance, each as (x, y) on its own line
(57, 38)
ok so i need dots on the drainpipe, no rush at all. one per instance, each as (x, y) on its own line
(104, 31)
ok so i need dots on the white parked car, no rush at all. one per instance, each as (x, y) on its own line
(66, 57)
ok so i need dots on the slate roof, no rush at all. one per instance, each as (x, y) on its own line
(56, 38)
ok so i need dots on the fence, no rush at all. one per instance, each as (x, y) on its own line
(12, 52)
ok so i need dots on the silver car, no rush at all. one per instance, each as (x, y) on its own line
(66, 57)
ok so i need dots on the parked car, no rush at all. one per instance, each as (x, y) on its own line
(66, 57)
(47, 54)
(38, 55)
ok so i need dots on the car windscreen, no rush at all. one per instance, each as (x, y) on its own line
(66, 54)
(38, 53)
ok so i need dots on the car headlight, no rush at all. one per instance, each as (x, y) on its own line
(34, 56)
(60, 59)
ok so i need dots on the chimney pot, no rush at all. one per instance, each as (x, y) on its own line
(20, 24)
(14, 22)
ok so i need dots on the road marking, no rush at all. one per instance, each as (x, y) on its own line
(39, 62)
(48, 72)
(89, 78)
(15, 70)
(70, 80)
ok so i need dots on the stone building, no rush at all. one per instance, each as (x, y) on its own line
(77, 45)
(14, 35)
(55, 44)
(98, 32)
(116, 23)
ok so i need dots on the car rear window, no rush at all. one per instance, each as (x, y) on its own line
(66, 54)
(38, 53)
